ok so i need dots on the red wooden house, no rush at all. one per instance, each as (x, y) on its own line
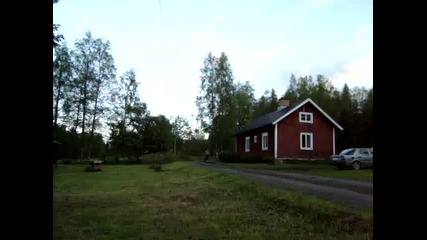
(299, 131)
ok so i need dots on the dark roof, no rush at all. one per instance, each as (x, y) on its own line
(265, 120)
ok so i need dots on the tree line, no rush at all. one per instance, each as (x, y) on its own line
(225, 105)
(98, 113)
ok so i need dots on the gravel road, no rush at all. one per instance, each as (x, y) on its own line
(351, 192)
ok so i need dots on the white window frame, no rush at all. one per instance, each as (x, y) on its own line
(264, 141)
(247, 144)
(303, 137)
(255, 139)
(305, 114)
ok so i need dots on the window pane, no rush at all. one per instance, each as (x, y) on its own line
(308, 117)
(308, 141)
(303, 141)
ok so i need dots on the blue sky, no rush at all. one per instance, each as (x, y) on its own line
(265, 41)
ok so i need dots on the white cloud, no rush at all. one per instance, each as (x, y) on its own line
(215, 21)
(356, 73)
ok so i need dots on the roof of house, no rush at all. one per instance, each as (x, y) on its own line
(277, 116)
(266, 119)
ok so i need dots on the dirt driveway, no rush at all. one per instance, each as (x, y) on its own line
(352, 192)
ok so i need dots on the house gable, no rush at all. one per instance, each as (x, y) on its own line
(305, 134)
(308, 100)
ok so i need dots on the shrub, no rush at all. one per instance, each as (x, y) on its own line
(269, 160)
(156, 160)
(311, 162)
(157, 157)
(182, 157)
(228, 157)
(156, 167)
(231, 157)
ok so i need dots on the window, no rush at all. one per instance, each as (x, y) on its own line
(348, 152)
(264, 141)
(306, 117)
(255, 139)
(247, 144)
(306, 141)
(365, 152)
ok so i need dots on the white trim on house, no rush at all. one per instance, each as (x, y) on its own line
(275, 141)
(303, 117)
(255, 139)
(333, 140)
(315, 105)
(247, 144)
(301, 137)
(264, 141)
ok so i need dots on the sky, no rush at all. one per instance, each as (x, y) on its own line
(166, 41)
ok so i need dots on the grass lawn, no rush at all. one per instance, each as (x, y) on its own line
(311, 168)
(190, 202)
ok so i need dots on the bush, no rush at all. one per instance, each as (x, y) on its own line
(269, 160)
(311, 162)
(66, 161)
(228, 157)
(183, 157)
(158, 158)
(156, 167)
(232, 157)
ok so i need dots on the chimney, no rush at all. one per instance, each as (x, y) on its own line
(283, 103)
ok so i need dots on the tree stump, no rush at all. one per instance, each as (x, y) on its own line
(96, 165)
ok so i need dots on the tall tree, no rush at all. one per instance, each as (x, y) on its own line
(244, 101)
(216, 108)
(105, 73)
(368, 117)
(273, 101)
(128, 115)
(291, 93)
(208, 101)
(93, 70)
(57, 38)
(180, 129)
(345, 115)
(321, 93)
(62, 74)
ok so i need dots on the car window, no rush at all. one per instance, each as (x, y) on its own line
(348, 151)
(364, 151)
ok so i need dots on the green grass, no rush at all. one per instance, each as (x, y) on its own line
(190, 202)
(310, 168)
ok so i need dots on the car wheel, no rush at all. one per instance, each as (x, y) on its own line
(355, 165)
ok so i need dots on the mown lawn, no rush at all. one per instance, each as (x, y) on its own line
(190, 202)
(311, 168)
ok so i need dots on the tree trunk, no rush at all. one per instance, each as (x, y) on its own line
(57, 100)
(94, 120)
